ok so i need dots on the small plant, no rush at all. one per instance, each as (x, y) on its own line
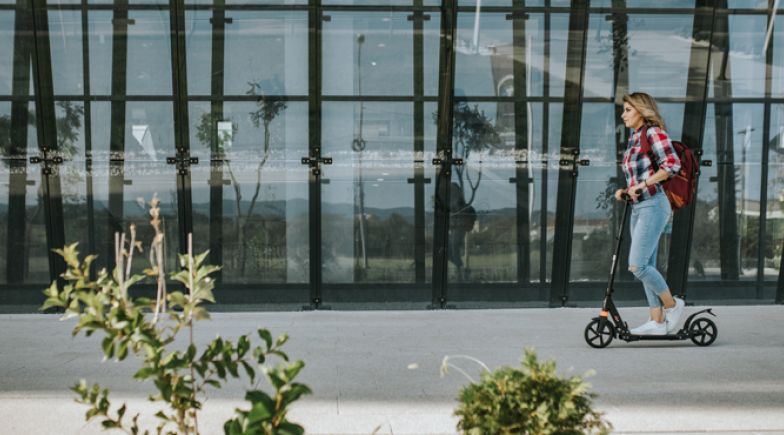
(528, 400)
(131, 326)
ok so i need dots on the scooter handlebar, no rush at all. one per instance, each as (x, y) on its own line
(625, 196)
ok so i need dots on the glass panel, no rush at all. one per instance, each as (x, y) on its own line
(149, 53)
(746, 61)
(368, 231)
(599, 57)
(481, 46)
(482, 245)
(595, 216)
(148, 69)
(148, 62)
(275, 2)
(777, 67)
(65, 44)
(6, 51)
(256, 37)
(774, 214)
(651, 69)
(748, 4)
(639, 3)
(485, 61)
(525, 3)
(262, 213)
(483, 234)
(726, 230)
(73, 174)
(100, 41)
(122, 189)
(369, 54)
(558, 36)
(24, 251)
(431, 48)
(147, 2)
(198, 46)
(370, 2)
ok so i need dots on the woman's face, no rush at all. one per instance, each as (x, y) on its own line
(631, 117)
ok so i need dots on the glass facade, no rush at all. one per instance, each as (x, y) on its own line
(382, 152)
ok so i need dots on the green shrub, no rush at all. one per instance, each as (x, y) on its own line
(528, 400)
(131, 326)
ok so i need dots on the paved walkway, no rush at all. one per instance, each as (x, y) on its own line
(379, 370)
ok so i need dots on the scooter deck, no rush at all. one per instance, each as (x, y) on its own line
(671, 337)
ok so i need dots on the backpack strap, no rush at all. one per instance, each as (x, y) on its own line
(646, 147)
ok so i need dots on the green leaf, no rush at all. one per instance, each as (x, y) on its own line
(232, 427)
(108, 347)
(288, 428)
(266, 336)
(213, 383)
(249, 370)
(260, 412)
(144, 373)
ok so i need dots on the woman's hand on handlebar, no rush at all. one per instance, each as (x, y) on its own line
(636, 190)
(630, 193)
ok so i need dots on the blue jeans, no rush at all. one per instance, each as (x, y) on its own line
(649, 218)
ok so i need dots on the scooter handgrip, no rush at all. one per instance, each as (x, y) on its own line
(625, 196)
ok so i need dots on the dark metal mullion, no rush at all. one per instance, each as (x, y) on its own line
(419, 145)
(216, 111)
(621, 88)
(545, 147)
(47, 138)
(522, 185)
(17, 251)
(725, 155)
(693, 131)
(314, 133)
(446, 91)
(763, 207)
(570, 140)
(181, 125)
(88, 137)
(117, 127)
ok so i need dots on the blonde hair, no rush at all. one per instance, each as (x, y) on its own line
(646, 105)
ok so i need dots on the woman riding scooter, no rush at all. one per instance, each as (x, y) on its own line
(650, 208)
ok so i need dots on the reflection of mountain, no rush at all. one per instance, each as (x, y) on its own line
(292, 208)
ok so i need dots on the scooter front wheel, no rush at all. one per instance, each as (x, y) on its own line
(702, 331)
(599, 333)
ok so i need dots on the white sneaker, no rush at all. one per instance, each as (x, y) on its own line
(673, 315)
(650, 327)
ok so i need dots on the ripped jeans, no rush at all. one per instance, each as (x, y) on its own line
(648, 220)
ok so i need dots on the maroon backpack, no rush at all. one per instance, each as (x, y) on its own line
(681, 187)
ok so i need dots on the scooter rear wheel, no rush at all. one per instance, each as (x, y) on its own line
(702, 331)
(599, 333)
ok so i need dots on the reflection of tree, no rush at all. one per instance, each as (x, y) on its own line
(358, 145)
(68, 125)
(268, 108)
(473, 131)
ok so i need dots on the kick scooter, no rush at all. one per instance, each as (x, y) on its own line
(601, 330)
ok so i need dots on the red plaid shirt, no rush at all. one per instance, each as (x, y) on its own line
(637, 166)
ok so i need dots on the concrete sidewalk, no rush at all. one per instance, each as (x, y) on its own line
(379, 370)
